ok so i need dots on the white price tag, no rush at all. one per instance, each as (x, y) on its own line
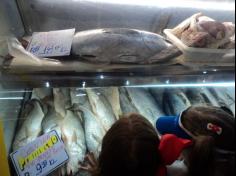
(53, 43)
(40, 157)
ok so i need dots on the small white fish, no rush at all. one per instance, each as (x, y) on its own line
(31, 125)
(176, 100)
(74, 139)
(101, 108)
(145, 103)
(61, 100)
(94, 131)
(113, 96)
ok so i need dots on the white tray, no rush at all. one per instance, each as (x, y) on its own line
(202, 55)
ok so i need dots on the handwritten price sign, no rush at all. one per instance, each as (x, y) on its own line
(40, 157)
(53, 43)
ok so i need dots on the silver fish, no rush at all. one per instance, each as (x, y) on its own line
(145, 104)
(41, 93)
(53, 121)
(158, 93)
(119, 45)
(126, 103)
(94, 131)
(74, 139)
(61, 100)
(209, 98)
(31, 125)
(101, 108)
(113, 96)
(224, 98)
(176, 100)
(195, 97)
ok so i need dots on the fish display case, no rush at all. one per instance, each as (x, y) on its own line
(122, 61)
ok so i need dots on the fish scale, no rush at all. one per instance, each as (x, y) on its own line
(145, 104)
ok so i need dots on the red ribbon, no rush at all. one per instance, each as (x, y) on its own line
(170, 149)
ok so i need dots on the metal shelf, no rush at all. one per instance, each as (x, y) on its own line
(153, 75)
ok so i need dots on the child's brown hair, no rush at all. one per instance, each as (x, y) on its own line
(213, 132)
(130, 148)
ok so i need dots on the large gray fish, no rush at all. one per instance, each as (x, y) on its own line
(145, 104)
(176, 100)
(94, 131)
(120, 45)
(101, 108)
(30, 128)
(224, 98)
(113, 96)
(126, 103)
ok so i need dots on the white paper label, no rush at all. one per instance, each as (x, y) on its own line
(40, 157)
(53, 43)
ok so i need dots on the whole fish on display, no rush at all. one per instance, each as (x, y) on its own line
(42, 93)
(30, 128)
(195, 97)
(94, 131)
(231, 92)
(158, 93)
(176, 100)
(101, 108)
(61, 100)
(126, 103)
(74, 139)
(53, 121)
(122, 46)
(113, 96)
(208, 96)
(224, 98)
(145, 104)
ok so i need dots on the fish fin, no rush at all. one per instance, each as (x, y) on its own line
(63, 136)
(27, 132)
(74, 137)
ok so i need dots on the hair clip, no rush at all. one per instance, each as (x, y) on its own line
(214, 128)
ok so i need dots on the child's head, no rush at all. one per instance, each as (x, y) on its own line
(130, 148)
(213, 132)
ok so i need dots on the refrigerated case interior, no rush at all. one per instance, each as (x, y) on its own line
(93, 110)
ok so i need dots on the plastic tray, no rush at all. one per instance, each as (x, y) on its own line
(202, 55)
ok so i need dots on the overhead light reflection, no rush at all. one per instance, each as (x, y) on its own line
(229, 84)
(12, 98)
(47, 84)
(201, 4)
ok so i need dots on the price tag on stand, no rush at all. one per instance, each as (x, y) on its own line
(40, 157)
(53, 43)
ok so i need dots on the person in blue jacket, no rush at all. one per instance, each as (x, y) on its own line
(202, 136)
(212, 130)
